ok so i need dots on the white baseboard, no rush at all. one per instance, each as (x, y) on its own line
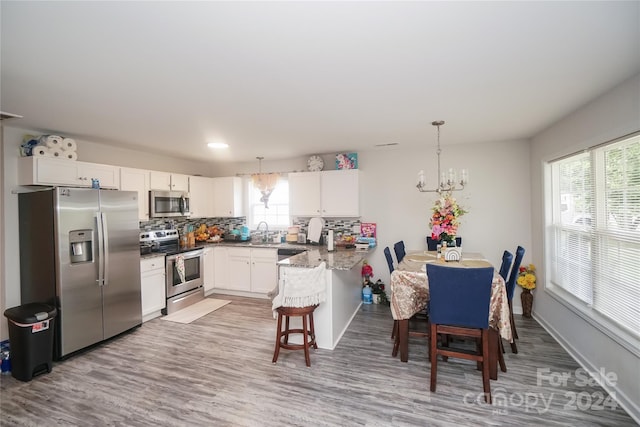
(619, 396)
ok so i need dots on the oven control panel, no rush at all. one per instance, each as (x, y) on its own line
(158, 236)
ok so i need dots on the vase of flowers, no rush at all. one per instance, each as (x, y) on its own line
(527, 280)
(445, 219)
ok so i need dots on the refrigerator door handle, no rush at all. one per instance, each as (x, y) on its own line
(100, 249)
(105, 266)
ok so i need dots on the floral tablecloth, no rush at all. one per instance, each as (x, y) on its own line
(410, 288)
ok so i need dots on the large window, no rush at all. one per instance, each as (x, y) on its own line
(593, 241)
(277, 214)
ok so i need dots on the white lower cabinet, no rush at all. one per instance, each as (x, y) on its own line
(264, 270)
(239, 265)
(152, 281)
(209, 270)
(246, 270)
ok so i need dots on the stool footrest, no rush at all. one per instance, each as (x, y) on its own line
(284, 337)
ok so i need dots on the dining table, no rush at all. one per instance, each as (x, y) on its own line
(410, 294)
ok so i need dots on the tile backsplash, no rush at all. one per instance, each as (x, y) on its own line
(181, 223)
(340, 226)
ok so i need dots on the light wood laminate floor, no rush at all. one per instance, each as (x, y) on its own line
(217, 371)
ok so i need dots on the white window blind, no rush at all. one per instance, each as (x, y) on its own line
(593, 243)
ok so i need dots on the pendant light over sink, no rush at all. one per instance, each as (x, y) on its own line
(265, 182)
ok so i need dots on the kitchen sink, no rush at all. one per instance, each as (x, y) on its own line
(284, 253)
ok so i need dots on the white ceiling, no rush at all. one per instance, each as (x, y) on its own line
(286, 79)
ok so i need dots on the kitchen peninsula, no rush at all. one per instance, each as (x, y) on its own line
(344, 290)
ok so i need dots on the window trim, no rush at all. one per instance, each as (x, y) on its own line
(248, 205)
(583, 310)
(595, 319)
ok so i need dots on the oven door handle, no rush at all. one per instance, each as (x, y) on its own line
(187, 255)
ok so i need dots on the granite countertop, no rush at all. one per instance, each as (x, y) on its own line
(152, 255)
(250, 244)
(256, 244)
(340, 259)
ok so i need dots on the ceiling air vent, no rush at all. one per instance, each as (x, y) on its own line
(386, 146)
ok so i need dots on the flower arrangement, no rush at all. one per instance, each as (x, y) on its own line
(445, 218)
(527, 277)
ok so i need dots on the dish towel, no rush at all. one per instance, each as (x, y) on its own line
(301, 287)
(180, 267)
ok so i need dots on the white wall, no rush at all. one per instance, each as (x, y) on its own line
(4, 333)
(87, 151)
(496, 198)
(614, 114)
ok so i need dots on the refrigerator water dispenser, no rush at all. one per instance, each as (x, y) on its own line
(81, 248)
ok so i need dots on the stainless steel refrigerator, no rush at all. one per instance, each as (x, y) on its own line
(79, 251)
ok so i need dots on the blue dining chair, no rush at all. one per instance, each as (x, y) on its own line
(507, 257)
(511, 286)
(387, 255)
(432, 245)
(423, 315)
(459, 304)
(398, 248)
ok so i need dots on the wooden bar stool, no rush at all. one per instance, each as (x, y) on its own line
(307, 330)
(300, 291)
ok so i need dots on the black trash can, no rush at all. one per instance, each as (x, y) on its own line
(31, 339)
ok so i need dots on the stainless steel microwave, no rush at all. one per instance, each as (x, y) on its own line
(163, 204)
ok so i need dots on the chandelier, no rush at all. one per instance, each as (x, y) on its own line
(448, 182)
(265, 182)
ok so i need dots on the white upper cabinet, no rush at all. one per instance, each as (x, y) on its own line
(227, 197)
(328, 193)
(63, 172)
(165, 181)
(201, 196)
(304, 194)
(137, 180)
(340, 192)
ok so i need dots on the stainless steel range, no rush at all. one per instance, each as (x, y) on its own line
(184, 268)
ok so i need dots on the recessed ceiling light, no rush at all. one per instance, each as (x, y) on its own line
(218, 145)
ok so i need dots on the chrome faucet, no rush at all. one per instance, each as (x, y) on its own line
(266, 232)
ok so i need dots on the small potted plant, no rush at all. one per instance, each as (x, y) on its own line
(379, 295)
